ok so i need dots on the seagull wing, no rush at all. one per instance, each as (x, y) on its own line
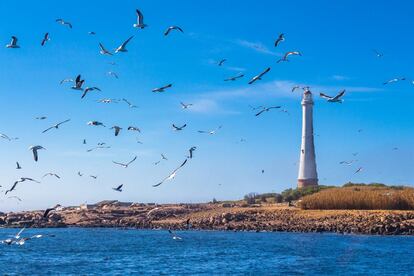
(339, 95)
(140, 17)
(173, 173)
(135, 158)
(126, 42)
(118, 163)
(48, 129)
(325, 96)
(65, 121)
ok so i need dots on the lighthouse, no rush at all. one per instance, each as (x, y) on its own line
(307, 166)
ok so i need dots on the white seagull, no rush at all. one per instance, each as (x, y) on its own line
(336, 99)
(176, 128)
(51, 174)
(286, 55)
(133, 128)
(13, 43)
(117, 129)
(125, 165)
(20, 180)
(185, 106)
(281, 38)
(140, 20)
(172, 175)
(169, 29)
(122, 48)
(162, 89)
(259, 77)
(45, 39)
(211, 132)
(78, 83)
(104, 51)
(63, 22)
(34, 149)
(56, 126)
(95, 123)
(89, 89)
(234, 78)
(119, 188)
(393, 80)
(129, 103)
(266, 109)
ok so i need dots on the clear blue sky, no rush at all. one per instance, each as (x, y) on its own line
(336, 40)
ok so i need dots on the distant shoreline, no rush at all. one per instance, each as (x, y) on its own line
(219, 216)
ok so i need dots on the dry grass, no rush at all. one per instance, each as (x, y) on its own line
(361, 198)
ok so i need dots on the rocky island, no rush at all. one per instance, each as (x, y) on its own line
(217, 216)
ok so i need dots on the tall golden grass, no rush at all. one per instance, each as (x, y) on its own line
(361, 198)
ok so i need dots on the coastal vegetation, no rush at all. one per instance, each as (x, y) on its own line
(353, 196)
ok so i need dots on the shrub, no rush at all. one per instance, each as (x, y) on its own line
(361, 197)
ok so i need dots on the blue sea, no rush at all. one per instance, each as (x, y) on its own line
(78, 251)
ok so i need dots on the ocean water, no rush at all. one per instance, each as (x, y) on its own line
(100, 251)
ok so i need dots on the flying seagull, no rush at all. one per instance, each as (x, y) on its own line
(95, 123)
(41, 118)
(172, 175)
(140, 20)
(4, 136)
(122, 48)
(104, 51)
(132, 128)
(55, 126)
(347, 162)
(78, 83)
(80, 174)
(16, 197)
(210, 132)
(113, 74)
(20, 180)
(117, 129)
(13, 43)
(176, 128)
(91, 33)
(174, 236)
(169, 29)
(234, 78)
(378, 54)
(63, 22)
(185, 106)
(358, 170)
(107, 101)
(94, 176)
(88, 89)
(266, 109)
(221, 62)
(18, 166)
(34, 149)
(281, 38)
(163, 157)
(129, 103)
(286, 55)
(127, 164)
(48, 210)
(45, 39)
(51, 174)
(119, 188)
(393, 80)
(191, 150)
(98, 147)
(161, 89)
(336, 99)
(259, 77)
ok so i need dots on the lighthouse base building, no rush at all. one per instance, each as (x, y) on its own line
(308, 176)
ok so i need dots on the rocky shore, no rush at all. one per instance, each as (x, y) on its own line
(228, 216)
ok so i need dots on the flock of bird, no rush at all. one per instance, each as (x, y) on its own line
(78, 84)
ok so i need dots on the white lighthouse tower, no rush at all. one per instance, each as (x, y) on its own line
(307, 166)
